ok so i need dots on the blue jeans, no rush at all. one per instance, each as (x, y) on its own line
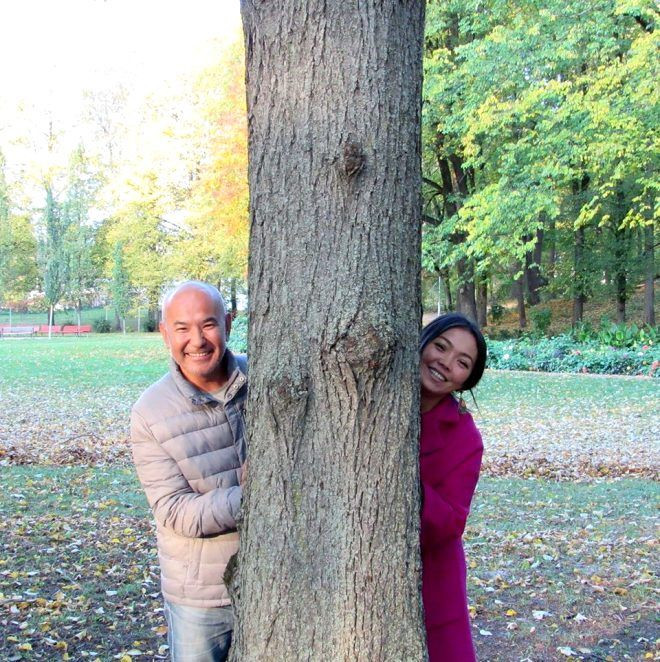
(198, 634)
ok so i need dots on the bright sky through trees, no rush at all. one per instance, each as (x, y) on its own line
(51, 51)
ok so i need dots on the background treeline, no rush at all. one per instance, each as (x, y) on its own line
(144, 190)
(540, 155)
(540, 151)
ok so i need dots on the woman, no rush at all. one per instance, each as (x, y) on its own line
(453, 357)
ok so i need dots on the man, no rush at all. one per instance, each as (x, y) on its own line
(188, 441)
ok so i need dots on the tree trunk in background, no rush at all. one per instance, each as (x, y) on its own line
(329, 565)
(620, 274)
(519, 293)
(482, 302)
(466, 301)
(233, 297)
(153, 316)
(552, 250)
(447, 282)
(649, 264)
(534, 281)
(579, 296)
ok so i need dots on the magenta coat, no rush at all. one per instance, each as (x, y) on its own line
(450, 459)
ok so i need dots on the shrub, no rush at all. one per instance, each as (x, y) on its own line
(541, 318)
(617, 335)
(564, 353)
(101, 326)
(238, 336)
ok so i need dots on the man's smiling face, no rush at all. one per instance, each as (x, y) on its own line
(195, 328)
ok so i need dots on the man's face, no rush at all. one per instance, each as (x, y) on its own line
(196, 330)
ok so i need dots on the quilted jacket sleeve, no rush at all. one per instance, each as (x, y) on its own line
(174, 503)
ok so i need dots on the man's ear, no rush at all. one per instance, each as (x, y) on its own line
(163, 332)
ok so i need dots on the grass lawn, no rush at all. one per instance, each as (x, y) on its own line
(552, 565)
(561, 543)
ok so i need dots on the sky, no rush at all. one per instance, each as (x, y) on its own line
(51, 49)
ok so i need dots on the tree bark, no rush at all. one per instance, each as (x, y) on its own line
(329, 565)
(649, 265)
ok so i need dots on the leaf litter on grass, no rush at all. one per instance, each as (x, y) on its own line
(558, 570)
(566, 427)
(78, 572)
(565, 565)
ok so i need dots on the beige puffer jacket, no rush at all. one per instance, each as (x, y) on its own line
(188, 451)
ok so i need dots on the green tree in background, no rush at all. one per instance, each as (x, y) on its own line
(120, 288)
(80, 241)
(18, 248)
(539, 145)
(53, 253)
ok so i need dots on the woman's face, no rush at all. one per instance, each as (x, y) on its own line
(446, 364)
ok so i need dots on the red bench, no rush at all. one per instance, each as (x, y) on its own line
(75, 330)
(43, 329)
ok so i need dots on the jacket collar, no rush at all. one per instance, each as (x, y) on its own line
(235, 381)
(446, 411)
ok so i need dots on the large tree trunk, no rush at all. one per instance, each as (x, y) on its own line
(649, 259)
(329, 565)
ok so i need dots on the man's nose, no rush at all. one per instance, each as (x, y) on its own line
(197, 336)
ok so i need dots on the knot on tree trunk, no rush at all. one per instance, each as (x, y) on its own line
(354, 158)
(366, 345)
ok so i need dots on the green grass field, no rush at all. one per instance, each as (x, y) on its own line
(561, 543)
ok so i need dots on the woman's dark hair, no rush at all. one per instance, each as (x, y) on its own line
(452, 321)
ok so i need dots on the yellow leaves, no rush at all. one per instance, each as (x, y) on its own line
(511, 612)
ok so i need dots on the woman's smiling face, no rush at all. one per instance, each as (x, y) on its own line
(446, 364)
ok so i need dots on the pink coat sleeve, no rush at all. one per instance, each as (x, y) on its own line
(449, 478)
